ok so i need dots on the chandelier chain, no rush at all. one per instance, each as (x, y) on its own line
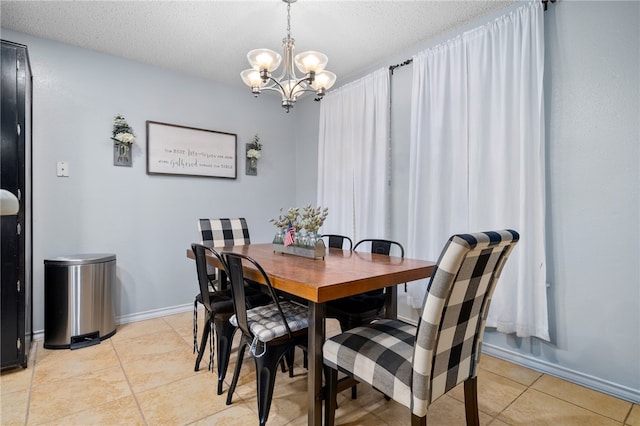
(288, 21)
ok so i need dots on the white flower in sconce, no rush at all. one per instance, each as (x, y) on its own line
(123, 138)
(122, 132)
(254, 154)
(127, 138)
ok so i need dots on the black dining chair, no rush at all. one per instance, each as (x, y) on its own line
(220, 233)
(218, 309)
(338, 241)
(360, 309)
(271, 331)
(415, 365)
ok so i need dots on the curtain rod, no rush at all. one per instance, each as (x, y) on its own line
(393, 67)
(545, 4)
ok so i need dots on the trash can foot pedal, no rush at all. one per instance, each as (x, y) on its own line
(85, 340)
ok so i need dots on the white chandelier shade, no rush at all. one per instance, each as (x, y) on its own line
(289, 85)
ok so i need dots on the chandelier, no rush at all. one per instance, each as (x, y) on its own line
(290, 87)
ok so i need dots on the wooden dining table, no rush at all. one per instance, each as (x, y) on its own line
(341, 273)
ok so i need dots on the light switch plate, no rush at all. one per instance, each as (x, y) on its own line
(62, 169)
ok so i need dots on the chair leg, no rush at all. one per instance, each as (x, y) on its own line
(224, 337)
(206, 329)
(471, 401)
(195, 326)
(418, 421)
(289, 356)
(332, 395)
(266, 368)
(236, 372)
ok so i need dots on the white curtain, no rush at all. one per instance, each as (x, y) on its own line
(491, 116)
(353, 165)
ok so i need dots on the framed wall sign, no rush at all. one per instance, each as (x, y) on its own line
(180, 150)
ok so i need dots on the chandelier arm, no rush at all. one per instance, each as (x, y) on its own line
(280, 88)
(298, 83)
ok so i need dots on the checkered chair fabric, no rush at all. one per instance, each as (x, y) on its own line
(224, 232)
(266, 324)
(416, 365)
(218, 233)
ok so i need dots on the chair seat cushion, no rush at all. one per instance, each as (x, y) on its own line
(266, 323)
(380, 354)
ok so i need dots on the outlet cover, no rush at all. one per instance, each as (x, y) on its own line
(62, 169)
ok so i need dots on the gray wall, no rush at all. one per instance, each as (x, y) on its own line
(148, 221)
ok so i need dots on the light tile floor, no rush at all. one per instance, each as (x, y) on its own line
(144, 375)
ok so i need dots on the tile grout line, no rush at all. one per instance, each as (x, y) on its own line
(580, 406)
(526, 388)
(33, 373)
(126, 377)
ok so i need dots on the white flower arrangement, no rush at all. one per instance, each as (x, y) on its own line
(254, 154)
(125, 138)
(122, 132)
(255, 150)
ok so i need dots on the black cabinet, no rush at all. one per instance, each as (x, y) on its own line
(15, 230)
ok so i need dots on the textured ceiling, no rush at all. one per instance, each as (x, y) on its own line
(211, 38)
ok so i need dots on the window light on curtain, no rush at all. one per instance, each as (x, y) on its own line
(477, 157)
(353, 164)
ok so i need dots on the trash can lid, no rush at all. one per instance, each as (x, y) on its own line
(81, 259)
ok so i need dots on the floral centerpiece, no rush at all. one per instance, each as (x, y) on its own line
(304, 223)
(313, 219)
(298, 231)
(123, 137)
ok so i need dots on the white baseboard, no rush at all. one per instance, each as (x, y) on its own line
(604, 386)
(141, 316)
(591, 382)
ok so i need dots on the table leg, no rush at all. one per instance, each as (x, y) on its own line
(391, 302)
(314, 378)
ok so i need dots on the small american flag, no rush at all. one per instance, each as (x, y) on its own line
(288, 236)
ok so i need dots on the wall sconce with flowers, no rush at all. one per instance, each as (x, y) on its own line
(254, 151)
(123, 137)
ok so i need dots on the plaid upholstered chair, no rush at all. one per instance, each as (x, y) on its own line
(416, 365)
(222, 233)
(218, 309)
(218, 233)
(271, 331)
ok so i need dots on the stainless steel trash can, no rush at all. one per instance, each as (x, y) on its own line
(78, 300)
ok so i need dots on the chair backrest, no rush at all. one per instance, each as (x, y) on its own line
(338, 241)
(234, 263)
(454, 311)
(199, 251)
(380, 246)
(224, 232)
